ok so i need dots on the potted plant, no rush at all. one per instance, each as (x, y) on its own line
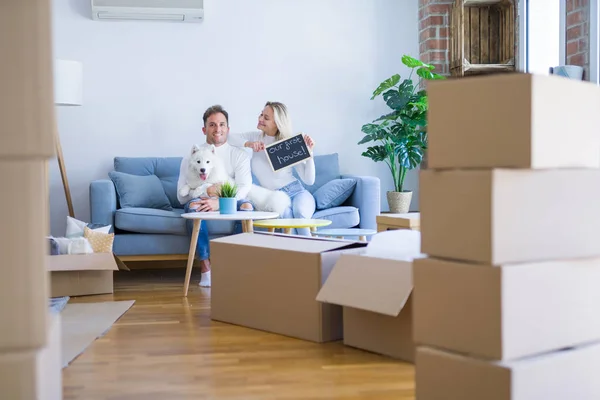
(227, 200)
(401, 135)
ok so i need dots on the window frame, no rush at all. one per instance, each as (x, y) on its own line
(523, 17)
(594, 42)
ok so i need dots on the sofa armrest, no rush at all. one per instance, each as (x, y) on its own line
(367, 198)
(103, 202)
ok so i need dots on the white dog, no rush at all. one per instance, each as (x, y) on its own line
(205, 169)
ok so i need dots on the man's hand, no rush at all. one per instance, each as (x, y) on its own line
(209, 205)
(214, 190)
(256, 146)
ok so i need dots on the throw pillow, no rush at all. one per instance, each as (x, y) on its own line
(100, 242)
(140, 191)
(334, 193)
(75, 227)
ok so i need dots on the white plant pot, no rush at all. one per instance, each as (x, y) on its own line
(399, 202)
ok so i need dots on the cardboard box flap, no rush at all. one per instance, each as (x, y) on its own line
(82, 262)
(303, 244)
(368, 283)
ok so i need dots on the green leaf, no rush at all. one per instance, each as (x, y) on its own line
(394, 99)
(411, 62)
(385, 85)
(370, 129)
(228, 190)
(410, 153)
(389, 117)
(376, 153)
(397, 99)
(425, 73)
(366, 139)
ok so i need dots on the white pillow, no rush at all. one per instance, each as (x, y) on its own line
(80, 245)
(75, 228)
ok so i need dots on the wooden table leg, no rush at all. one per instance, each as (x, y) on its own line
(247, 226)
(191, 255)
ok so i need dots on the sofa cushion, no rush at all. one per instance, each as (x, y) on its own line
(165, 168)
(151, 220)
(140, 191)
(334, 193)
(340, 217)
(327, 168)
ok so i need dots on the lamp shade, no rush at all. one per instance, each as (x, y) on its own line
(68, 83)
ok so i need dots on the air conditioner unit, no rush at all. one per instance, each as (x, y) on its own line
(156, 10)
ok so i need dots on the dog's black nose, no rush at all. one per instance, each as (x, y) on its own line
(203, 170)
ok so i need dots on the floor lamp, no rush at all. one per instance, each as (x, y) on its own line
(68, 91)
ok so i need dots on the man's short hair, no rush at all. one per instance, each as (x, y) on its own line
(216, 109)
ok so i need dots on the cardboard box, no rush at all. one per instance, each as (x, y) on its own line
(270, 282)
(509, 311)
(26, 78)
(561, 375)
(81, 274)
(510, 215)
(513, 121)
(34, 374)
(376, 295)
(24, 282)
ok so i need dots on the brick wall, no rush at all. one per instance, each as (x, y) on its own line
(578, 34)
(434, 33)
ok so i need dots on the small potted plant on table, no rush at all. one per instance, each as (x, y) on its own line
(401, 134)
(227, 200)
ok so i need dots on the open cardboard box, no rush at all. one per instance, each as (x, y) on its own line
(376, 290)
(81, 274)
(569, 373)
(270, 282)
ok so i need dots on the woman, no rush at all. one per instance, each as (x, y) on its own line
(274, 124)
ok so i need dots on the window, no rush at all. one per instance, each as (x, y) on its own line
(543, 41)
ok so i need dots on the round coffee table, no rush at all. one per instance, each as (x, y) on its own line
(245, 216)
(341, 233)
(292, 223)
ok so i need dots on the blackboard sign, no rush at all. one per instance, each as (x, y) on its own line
(287, 152)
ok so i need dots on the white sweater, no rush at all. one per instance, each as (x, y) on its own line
(262, 169)
(237, 164)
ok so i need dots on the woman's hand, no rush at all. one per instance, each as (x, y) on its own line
(309, 142)
(256, 146)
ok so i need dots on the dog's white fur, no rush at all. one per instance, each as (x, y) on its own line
(205, 169)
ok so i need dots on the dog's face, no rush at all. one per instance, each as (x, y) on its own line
(203, 160)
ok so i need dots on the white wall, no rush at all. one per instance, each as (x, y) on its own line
(146, 84)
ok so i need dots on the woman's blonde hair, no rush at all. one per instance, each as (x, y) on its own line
(282, 120)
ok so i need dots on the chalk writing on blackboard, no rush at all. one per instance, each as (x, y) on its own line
(287, 152)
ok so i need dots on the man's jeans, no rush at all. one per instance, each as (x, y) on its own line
(202, 245)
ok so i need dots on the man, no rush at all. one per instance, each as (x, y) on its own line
(237, 163)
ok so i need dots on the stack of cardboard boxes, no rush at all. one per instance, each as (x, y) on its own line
(30, 364)
(507, 301)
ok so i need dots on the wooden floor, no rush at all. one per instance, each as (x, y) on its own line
(166, 347)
